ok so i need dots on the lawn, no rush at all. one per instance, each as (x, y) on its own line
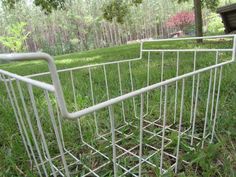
(218, 159)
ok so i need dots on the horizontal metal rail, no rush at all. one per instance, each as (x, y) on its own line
(56, 87)
(187, 50)
(190, 38)
(118, 99)
(36, 83)
(84, 67)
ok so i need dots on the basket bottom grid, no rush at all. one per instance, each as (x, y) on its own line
(95, 159)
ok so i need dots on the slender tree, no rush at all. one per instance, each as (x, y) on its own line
(198, 19)
(198, 5)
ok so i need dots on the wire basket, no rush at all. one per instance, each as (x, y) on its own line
(136, 117)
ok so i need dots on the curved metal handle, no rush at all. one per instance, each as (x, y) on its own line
(53, 71)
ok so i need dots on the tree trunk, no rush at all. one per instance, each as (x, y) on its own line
(198, 19)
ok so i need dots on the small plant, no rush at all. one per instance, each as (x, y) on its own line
(204, 161)
(15, 38)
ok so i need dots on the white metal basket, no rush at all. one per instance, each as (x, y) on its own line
(136, 117)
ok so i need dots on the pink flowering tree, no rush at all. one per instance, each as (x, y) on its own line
(181, 20)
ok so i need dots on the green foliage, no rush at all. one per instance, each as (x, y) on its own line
(49, 5)
(210, 4)
(10, 3)
(203, 159)
(115, 10)
(215, 25)
(118, 10)
(46, 5)
(137, 2)
(16, 37)
(74, 41)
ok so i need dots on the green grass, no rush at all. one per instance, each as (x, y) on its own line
(217, 159)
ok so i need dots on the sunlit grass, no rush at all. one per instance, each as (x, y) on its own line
(12, 152)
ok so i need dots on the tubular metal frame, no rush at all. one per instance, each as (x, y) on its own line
(37, 143)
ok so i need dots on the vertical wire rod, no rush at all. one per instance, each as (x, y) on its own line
(24, 128)
(234, 49)
(193, 86)
(176, 86)
(195, 109)
(17, 117)
(214, 87)
(180, 124)
(73, 89)
(50, 109)
(148, 69)
(148, 80)
(93, 101)
(112, 121)
(106, 82)
(161, 91)
(132, 87)
(163, 130)
(207, 109)
(39, 125)
(80, 131)
(75, 101)
(216, 108)
(30, 125)
(60, 125)
(141, 50)
(121, 92)
(141, 136)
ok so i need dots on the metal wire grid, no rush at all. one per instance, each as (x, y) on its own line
(139, 146)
